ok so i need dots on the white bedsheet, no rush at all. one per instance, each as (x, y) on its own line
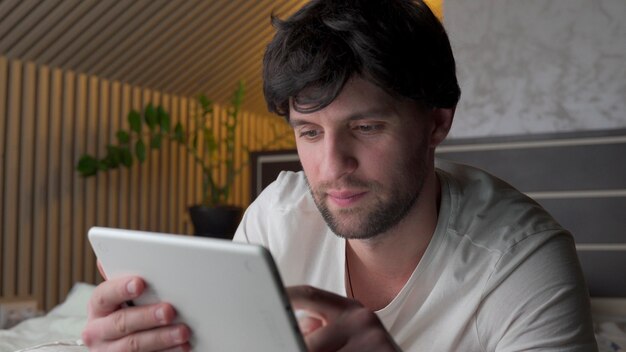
(59, 330)
(609, 317)
(611, 336)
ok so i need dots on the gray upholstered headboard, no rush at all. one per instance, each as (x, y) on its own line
(579, 177)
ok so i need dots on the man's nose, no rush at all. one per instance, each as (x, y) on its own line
(338, 159)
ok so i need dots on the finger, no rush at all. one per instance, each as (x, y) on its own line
(109, 295)
(358, 330)
(182, 348)
(307, 323)
(154, 340)
(327, 338)
(365, 346)
(375, 342)
(323, 304)
(101, 270)
(129, 320)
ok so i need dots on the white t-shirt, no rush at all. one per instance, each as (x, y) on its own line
(498, 275)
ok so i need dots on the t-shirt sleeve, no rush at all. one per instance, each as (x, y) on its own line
(536, 300)
(253, 227)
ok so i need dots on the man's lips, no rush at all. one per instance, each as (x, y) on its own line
(345, 198)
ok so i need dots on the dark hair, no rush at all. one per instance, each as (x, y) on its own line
(399, 45)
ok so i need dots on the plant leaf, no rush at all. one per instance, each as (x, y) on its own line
(140, 151)
(151, 116)
(112, 159)
(134, 119)
(205, 103)
(126, 157)
(155, 142)
(87, 165)
(178, 133)
(103, 165)
(123, 137)
(238, 96)
(210, 140)
(164, 119)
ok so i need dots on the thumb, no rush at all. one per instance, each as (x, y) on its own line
(101, 270)
(307, 323)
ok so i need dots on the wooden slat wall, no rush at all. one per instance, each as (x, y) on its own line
(48, 119)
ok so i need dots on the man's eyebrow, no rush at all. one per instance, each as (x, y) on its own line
(297, 122)
(379, 113)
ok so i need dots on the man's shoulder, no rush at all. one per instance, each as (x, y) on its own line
(289, 190)
(491, 212)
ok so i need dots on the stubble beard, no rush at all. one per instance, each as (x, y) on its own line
(386, 209)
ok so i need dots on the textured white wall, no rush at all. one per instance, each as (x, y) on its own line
(537, 66)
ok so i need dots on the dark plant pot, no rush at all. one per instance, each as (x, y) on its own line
(217, 222)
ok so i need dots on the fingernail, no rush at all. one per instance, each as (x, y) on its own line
(160, 315)
(177, 336)
(131, 287)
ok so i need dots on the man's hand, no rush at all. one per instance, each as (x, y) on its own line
(113, 327)
(343, 324)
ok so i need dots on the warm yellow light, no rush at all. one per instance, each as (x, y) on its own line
(436, 6)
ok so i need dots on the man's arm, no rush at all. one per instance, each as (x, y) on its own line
(538, 303)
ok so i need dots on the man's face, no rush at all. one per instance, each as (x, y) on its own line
(365, 157)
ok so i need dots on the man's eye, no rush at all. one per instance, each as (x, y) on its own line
(309, 133)
(369, 128)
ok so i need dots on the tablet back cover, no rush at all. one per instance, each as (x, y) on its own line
(229, 294)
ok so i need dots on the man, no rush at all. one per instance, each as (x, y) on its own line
(388, 251)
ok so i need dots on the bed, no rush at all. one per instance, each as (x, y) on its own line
(59, 330)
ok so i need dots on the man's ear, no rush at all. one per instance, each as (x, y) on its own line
(441, 123)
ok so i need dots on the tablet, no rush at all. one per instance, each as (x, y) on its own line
(229, 294)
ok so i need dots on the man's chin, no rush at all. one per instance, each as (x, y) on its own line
(351, 234)
(350, 229)
(347, 222)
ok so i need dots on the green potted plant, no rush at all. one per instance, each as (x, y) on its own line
(213, 217)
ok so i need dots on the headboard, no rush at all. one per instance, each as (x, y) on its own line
(580, 178)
